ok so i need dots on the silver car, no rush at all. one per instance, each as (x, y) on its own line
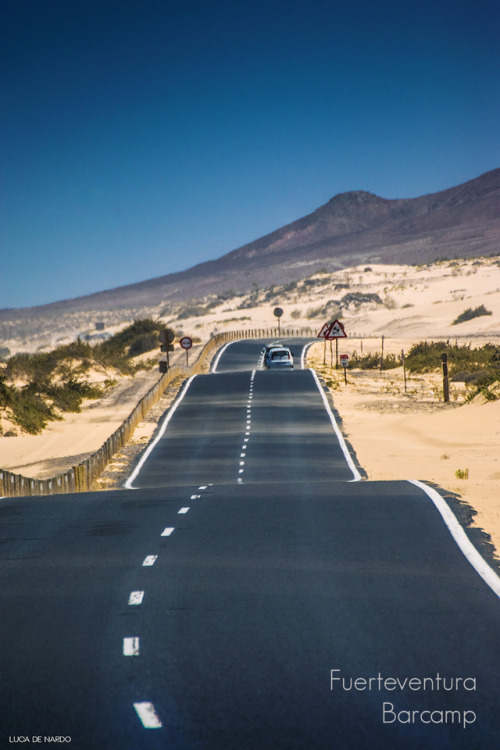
(280, 358)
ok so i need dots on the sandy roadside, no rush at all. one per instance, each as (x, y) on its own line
(416, 436)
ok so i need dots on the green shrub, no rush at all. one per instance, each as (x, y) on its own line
(144, 343)
(469, 314)
(372, 361)
(30, 411)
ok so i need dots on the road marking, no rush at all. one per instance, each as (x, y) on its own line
(203, 487)
(340, 437)
(182, 510)
(152, 445)
(131, 646)
(149, 560)
(148, 716)
(195, 497)
(476, 560)
(136, 598)
(240, 471)
(167, 531)
(219, 355)
(304, 354)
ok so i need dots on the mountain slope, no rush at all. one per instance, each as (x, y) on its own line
(352, 228)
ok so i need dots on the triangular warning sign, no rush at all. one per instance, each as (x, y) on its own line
(324, 331)
(336, 331)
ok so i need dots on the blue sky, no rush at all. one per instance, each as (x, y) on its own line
(140, 137)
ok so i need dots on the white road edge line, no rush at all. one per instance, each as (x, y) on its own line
(151, 446)
(148, 716)
(219, 355)
(304, 354)
(480, 565)
(340, 437)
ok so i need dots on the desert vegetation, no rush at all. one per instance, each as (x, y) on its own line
(478, 367)
(38, 388)
(471, 313)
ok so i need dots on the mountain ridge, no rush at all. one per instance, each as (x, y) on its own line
(351, 228)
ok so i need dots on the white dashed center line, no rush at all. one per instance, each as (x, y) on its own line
(148, 716)
(182, 510)
(167, 531)
(149, 560)
(136, 597)
(131, 646)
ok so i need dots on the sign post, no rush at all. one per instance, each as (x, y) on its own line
(344, 361)
(329, 332)
(186, 344)
(278, 312)
(166, 337)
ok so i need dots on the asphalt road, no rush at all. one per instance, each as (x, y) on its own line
(220, 604)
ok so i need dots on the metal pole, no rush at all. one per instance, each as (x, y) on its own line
(382, 357)
(404, 365)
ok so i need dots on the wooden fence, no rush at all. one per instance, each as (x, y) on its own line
(82, 476)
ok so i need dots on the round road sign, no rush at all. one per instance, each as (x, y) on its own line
(186, 342)
(166, 336)
(278, 312)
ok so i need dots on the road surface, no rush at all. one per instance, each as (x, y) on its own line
(248, 592)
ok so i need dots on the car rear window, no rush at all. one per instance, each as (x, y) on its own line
(280, 354)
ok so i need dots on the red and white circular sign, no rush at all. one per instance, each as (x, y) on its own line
(186, 342)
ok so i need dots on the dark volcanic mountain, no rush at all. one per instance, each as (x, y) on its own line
(352, 228)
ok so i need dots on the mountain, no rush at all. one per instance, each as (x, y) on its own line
(352, 228)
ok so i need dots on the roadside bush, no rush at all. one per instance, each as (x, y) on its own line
(426, 356)
(372, 361)
(142, 344)
(30, 411)
(470, 313)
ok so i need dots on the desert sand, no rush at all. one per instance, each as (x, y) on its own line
(414, 435)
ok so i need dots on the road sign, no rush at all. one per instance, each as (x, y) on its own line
(278, 312)
(333, 330)
(336, 331)
(324, 331)
(166, 336)
(344, 360)
(186, 342)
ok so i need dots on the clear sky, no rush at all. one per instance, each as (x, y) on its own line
(140, 137)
